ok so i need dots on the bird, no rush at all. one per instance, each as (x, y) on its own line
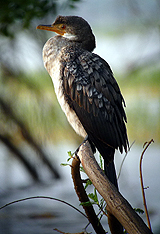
(86, 88)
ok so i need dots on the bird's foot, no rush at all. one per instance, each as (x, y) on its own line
(85, 139)
(91, 144)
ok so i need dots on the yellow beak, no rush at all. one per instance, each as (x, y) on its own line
(53, 28)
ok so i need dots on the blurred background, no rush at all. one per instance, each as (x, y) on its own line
(34, 133)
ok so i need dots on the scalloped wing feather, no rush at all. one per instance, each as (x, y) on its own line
(96, 99)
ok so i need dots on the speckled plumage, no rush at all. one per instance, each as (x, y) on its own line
(87, 92)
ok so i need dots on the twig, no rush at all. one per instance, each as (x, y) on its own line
(43, 197)
(124, 160)
(68, 232)
(142, 185)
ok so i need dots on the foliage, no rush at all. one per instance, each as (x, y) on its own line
(22, 13)
(141, 89)
(138, 210)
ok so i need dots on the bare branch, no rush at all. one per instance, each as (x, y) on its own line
(142, 185)
(68, 232)
(43, 197)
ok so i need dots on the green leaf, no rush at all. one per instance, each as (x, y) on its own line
(89, 182)
(138, 210)
(101, 161)
(70, 156)
(94, 197)
(82, 170)
(102, 204)
(88, 203)
(65, 164)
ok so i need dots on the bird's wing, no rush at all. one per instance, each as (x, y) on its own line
(94, 95)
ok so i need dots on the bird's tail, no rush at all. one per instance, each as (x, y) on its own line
(107, 153)
(108, 156)
(109, 168)
(114, 225)
(110, 172)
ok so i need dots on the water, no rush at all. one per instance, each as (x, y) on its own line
(43, 215)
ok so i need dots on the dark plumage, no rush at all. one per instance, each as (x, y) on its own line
(85, 87)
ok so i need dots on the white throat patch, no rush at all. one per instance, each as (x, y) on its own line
(70, 36)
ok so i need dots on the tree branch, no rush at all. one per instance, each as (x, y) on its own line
(117, 205)
(20, 156)
(81, 193)
(6, 107)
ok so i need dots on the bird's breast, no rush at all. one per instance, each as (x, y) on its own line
(52, 63)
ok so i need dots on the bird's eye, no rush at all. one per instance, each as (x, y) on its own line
(63, 26)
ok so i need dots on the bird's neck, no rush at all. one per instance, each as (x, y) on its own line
(87, 43)
(54, 49)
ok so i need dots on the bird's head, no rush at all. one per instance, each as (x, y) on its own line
(73, 28)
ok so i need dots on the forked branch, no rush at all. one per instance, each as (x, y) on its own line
(117, 205)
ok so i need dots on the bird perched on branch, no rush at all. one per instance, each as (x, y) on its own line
(85, 87)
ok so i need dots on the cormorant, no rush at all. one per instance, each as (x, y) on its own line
(86, 88)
